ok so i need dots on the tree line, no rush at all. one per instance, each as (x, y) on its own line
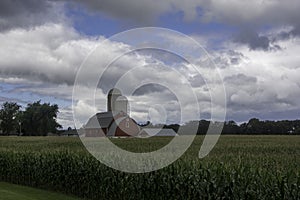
(253, 127)
(37, 119)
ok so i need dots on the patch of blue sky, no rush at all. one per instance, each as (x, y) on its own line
(94, 24)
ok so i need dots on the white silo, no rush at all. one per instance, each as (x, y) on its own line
(121, 104)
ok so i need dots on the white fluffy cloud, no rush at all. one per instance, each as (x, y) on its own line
(51, 52)
(260, 83)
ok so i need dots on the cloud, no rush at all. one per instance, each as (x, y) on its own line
(261, 82)
(253, 40)
(44, 61)
(65, 117)
(49, 53)
(150, 88)
(142, 11)
(29, 13)
(240, 79)
(228, 57)
(255, 14)
(234, 12)
(287, 33)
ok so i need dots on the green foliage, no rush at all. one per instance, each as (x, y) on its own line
(40, 119)
(239, 167)
(283, 127)
(9, 117)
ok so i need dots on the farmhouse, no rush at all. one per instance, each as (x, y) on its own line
(114, 122)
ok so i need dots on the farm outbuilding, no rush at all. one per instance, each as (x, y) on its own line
(151, 132)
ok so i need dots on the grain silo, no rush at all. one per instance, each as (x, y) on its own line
(121, 104)
(112, 96)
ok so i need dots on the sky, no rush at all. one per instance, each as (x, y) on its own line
(253, 45)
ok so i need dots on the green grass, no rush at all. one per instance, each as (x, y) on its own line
(16, 192)
(239, 167)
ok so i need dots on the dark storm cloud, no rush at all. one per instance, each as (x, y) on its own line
(252, 14)
(233, 12)
(283, 35)
(10, 8)
(26, 13)
(253, 40)
(140, 11)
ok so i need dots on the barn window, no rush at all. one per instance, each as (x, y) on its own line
(127, 124)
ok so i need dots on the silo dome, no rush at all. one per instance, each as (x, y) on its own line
(112, 96)
(114, 91)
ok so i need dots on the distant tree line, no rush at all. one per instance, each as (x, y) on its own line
(37, 119)
(253, 127)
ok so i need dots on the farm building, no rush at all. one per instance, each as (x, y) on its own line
(114, 122)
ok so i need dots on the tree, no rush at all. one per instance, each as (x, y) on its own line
(203, 127)
(254, 126)
(40, 119)
(231, 127)
(9, 117)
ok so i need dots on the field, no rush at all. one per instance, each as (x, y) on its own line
(239, 167)
(16, 192)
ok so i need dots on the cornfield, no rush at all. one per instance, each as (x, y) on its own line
(239, 167)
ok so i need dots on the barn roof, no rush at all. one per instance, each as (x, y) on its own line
(100, 120)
